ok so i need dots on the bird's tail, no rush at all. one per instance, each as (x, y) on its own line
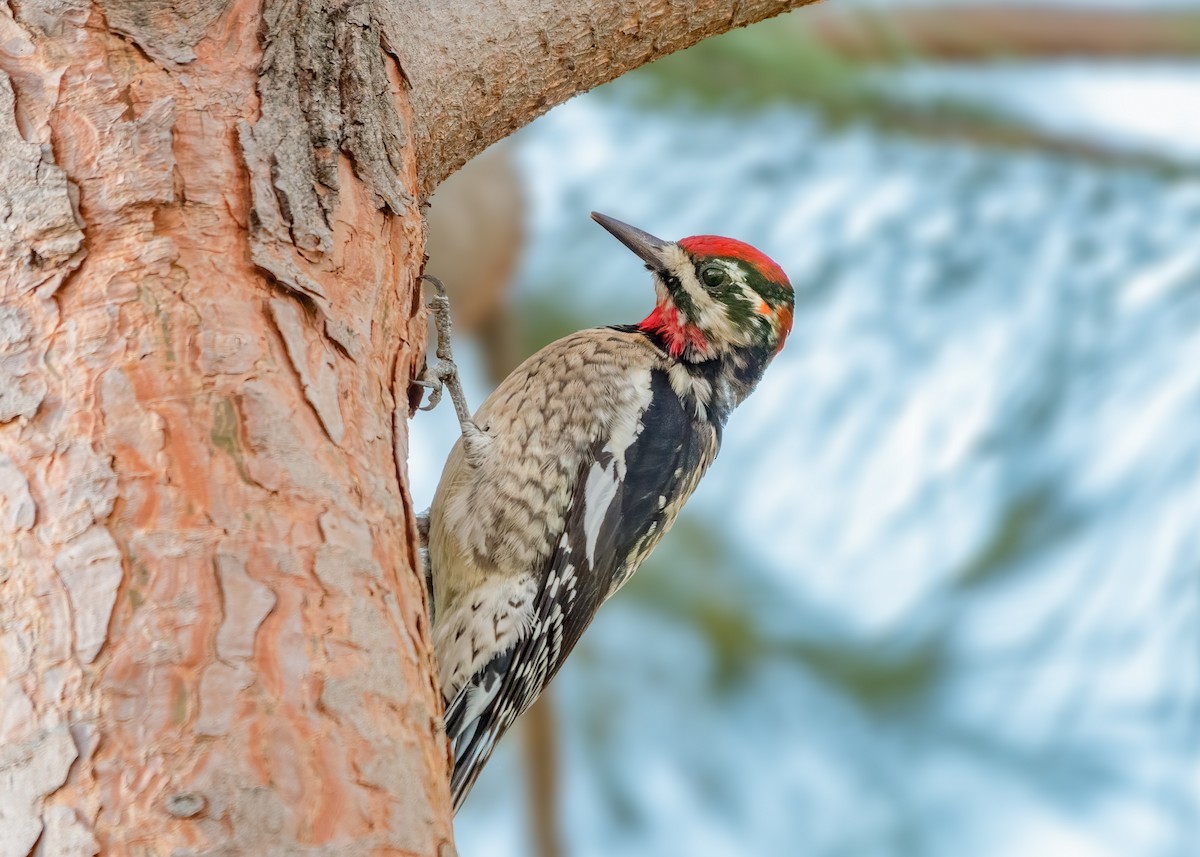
(474, 725)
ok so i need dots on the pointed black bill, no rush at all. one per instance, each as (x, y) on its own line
(645, 245)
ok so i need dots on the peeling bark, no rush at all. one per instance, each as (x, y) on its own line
(18, 502)
(31, 770)
(213, 633)
(167, 30)
(40, 236)
(21, 385)
(89, 567)
(315, 366)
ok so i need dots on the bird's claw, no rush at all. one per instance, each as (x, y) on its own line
(435, 395)
(443, 372)
(436, 375)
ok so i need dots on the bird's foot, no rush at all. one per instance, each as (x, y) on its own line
(435, 379)
(442, 373)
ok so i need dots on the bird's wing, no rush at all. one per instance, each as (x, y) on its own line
(625, 498)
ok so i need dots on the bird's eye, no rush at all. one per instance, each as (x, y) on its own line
(714, 275)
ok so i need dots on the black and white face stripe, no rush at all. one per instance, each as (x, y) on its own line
(715, 294)
(727, 314)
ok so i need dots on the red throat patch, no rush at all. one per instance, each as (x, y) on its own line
(664, 321)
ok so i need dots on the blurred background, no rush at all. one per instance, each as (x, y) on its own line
(940, 593)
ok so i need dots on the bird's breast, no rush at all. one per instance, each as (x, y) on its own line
(505, 514)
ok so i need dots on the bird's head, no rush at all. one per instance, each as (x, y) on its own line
(714, 295)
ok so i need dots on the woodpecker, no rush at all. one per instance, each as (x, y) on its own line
(576, 466)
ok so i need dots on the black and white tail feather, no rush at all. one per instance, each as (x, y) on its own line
(488, 704)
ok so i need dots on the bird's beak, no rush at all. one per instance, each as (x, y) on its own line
(648, 248)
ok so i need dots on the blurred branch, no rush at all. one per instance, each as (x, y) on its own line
(792, 62)
(953, 122)
(972, 33)
(476, 230)
(746, 629)
(541, 767)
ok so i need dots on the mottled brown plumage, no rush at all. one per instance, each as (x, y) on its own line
(501, 518)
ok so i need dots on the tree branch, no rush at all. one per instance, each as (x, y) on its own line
(479, 71)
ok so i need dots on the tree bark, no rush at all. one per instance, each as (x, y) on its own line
(213, 637)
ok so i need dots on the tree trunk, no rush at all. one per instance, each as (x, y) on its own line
(213, 637)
